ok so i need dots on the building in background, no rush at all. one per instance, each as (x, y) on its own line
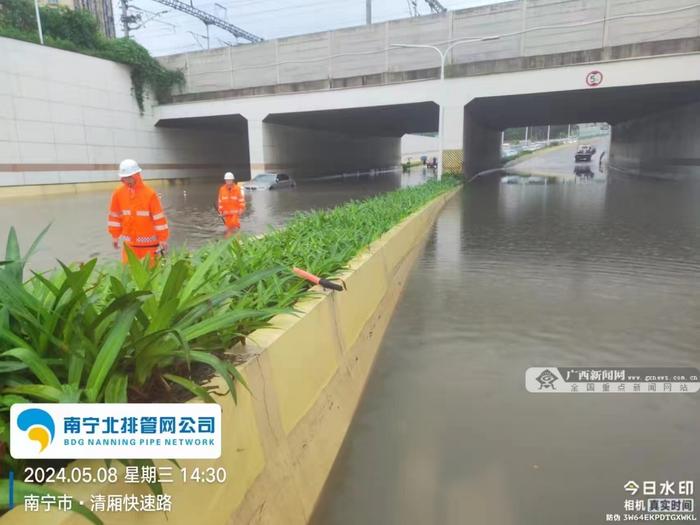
(101, 9)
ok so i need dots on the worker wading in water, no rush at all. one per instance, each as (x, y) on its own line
(136, 216)
(231, 204)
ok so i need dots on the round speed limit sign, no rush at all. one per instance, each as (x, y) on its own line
(594, 79)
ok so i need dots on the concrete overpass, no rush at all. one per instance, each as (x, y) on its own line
(340, 101)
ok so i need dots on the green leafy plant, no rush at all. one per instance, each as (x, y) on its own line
(112, 333)
(146, 71)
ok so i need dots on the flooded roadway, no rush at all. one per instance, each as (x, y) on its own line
(79, 221)
(559, 161)
(515, 276)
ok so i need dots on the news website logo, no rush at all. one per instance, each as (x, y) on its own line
(547, 379)
(115, 431)
(612, 380)
(38, 425)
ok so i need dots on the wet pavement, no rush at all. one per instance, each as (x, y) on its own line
(558, 161)
(515, 276)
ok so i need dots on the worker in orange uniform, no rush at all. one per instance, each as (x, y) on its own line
(136, 215)
(231, 204)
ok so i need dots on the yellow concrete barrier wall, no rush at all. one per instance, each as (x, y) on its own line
(306, 376)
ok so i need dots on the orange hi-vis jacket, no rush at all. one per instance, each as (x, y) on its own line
(136, 216)
(231, 201)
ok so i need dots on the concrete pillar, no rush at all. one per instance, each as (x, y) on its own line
(256, 145)
(482, 146)
(453, 141)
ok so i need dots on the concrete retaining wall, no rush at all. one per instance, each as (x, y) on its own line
(319, 60)
(71, 118)
(307, 375)
(661, 145)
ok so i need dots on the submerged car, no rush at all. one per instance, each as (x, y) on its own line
(536, 180)
(270, 181)
(511, 179)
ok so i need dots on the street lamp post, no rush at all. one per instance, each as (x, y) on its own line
(38, 21)
(443, 60)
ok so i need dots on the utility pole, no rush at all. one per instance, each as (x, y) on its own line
(124, 18)
(128, 21)
(368, 11)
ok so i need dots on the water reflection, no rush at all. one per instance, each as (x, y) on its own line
(573, 275)
(584, 171)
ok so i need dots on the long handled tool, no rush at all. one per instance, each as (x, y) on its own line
(220, 216)
(318, 280)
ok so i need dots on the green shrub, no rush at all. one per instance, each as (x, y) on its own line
(18, 14)
(145, 70)
(113, 333)
(76, 26)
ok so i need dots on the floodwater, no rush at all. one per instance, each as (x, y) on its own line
(515, 276)
(559, 161)
(78, 221)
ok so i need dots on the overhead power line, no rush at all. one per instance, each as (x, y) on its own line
(210, 19)
(435, 6)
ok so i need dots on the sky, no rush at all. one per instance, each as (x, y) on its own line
(167, 31)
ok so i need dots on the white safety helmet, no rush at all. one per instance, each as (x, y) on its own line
(128, 167)
(229, 176)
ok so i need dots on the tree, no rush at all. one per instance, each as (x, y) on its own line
(18, 14)
(77, 26)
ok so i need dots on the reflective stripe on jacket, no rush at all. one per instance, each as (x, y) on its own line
(136, 215)
(231, 201)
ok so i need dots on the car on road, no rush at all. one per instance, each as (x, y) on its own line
(584, 153)
(270, 181)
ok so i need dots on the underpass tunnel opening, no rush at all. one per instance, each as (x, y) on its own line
(207, 146)
(652, 126)
(551, 134)
(333, 142)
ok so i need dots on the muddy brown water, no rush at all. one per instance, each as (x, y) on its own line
(78, 221)
(514, 276)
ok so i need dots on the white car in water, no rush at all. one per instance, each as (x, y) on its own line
(270, 181)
